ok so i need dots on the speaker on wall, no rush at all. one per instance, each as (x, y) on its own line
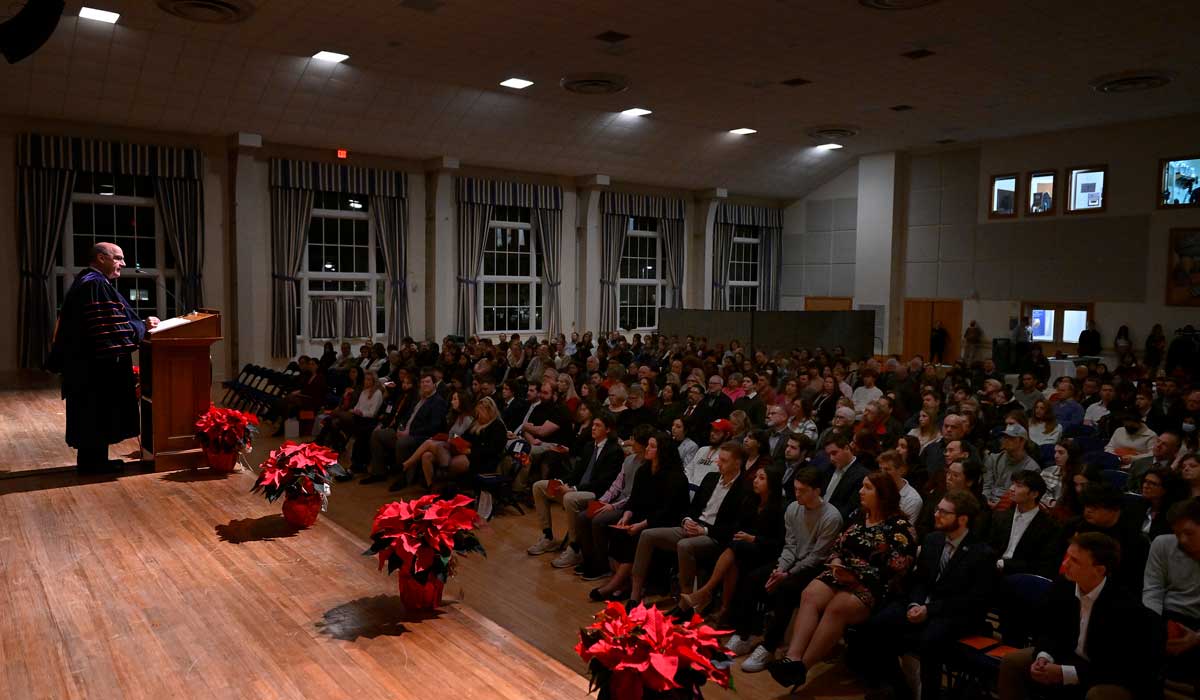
(26, 31)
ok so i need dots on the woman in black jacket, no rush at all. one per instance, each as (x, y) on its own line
(486, 438)
(757, 541)
(659, 499)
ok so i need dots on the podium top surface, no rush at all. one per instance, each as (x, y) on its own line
(194, 325)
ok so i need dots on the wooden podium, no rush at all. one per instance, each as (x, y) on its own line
(176, 376)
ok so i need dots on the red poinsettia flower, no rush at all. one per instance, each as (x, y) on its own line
(631, 651)
(418, 537)
(294, 468)
(225, 429)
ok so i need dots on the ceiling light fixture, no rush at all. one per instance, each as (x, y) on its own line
(99, 15)
(636, 112)
(330, 56)
(517, 83)
(829, 147)
(917, 54)
(1132, 81)
(743, 131)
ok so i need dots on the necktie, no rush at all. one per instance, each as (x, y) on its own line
(947, 554)
(413, 417)
(587, 473)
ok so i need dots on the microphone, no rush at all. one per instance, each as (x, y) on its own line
(158, 281)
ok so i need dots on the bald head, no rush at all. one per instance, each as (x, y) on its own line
(108, 258)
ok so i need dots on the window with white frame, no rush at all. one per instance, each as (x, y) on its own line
(341, 261)
(119, 209)
(641, 286)
(511, 293)
(741, 293)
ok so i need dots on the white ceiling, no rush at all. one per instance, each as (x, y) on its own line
(423, 84)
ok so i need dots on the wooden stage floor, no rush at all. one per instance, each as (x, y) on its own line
(179, 585)
(33, 421)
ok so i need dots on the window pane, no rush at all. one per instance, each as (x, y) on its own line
(1087, 190)
(1041, 193)
(1043, 324)
(1074, 323)
(1004, 195)
(103, 214)
(1179, 182)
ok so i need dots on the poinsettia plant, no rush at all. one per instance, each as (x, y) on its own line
(295, 470)
(418, 538)
(226, 429)
(630, 652)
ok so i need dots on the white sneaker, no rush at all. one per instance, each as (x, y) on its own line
(757, 660)
(567, 559)
(543, 545)
(739, 646)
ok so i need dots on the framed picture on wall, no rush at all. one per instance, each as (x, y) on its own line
(1179, 182)
(1183, 267)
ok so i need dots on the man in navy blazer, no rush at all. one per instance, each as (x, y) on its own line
(948, 600)
(843, 476)
(1095, 638)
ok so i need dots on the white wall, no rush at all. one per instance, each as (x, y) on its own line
(876, 242)
(819, 239)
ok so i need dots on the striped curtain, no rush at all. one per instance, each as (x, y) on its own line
(548, 228)
(322, 317)
(43, 199)
(670, 233)
(291, 212)
(181, 207)
(615, 210)
(357, 317)
(770, 267)
(47, 152)
(722, 252)
(769, 222)
(336, 177)
(613, 228)
(473, 220)
(391, 225)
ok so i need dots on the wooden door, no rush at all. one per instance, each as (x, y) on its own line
(918, 320)
(949, 312)
(828, 303)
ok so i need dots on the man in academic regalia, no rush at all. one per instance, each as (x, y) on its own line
(94, 341)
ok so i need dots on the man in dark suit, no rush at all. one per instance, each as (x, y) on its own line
(843, 476)
(948, 600)
(597, 465)
(1095, 638)
(426, 419)
(1024, 536)
(1103, 512)
(512, 407)
(777, 429)
(708, 526)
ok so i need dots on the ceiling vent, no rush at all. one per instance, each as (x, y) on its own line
(833, 132)
(209, 11)
(890, 5)
(1131, 81)
(594, 83)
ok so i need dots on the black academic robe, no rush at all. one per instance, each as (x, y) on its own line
(94, 341)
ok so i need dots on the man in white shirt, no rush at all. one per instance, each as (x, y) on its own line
(705, 461)
(866, 393)
(1095, 411)
(892, 464)
(1094, 634)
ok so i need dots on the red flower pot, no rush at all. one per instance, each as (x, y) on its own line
(421, 596)
(220, 461)
(301, 511)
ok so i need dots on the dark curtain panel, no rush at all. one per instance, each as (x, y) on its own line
(181, 206)
(391, 225)
(291, 212)
(43, 198)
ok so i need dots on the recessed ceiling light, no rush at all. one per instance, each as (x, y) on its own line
(943, 142)
(517, 83)
(99, 15)
(612, 37)
(900, 108)
(330, 56)
(636, 112)
(917, 54)
(1132, 81)
(743, 131)
(795, 82)
(829, 147)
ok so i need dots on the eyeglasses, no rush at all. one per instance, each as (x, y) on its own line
(939, 511)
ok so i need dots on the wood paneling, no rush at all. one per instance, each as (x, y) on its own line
(828, 303)
(919, 315)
